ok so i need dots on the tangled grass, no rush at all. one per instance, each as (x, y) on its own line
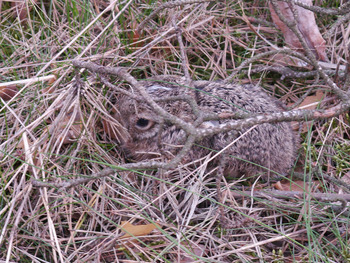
(172, 215)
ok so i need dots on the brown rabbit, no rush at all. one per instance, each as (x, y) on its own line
(267, 147)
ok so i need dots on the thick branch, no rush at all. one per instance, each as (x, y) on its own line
(325, 197)
(289, 73)
(340, 21)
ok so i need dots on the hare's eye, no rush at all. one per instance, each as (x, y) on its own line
(143, 124)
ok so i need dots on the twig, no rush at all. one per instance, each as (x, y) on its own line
(184, 60)
(262, 55)
(342, 10)
(284, 71)
(122, 91)
(347, 71)
(289, 73)
(333, 180)
(125, 167)
(325, 197)
(301, 99)
(340, 21)
(74, 182)
(105, 172)
(256, 20)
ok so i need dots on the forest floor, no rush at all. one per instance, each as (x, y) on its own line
(56, 121)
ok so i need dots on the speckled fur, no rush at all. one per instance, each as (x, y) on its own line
(271, 146)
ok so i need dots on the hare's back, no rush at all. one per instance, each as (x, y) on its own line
(220, 96)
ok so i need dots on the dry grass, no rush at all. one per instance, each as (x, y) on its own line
(83, 224)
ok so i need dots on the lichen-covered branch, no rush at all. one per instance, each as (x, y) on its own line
(342, 10)
(295, 115)
(263, 55)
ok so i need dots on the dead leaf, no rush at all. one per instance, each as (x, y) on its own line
(309, 103)
(298, 186)
(137, 230)
(306, 23)
(74, 131)
(22, 8)
(62, 134)
(72, 134)
(49, 89)
(7, 92)
(194, 248)
(346, 178)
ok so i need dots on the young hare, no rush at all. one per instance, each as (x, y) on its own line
(266, 148)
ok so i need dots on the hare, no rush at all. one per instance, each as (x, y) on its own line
(267, 147)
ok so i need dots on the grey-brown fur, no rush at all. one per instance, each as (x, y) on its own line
(268, 145)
